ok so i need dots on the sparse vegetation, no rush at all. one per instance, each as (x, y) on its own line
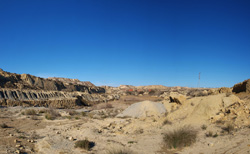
(52, 114)
(109, 105)
(220, 122)
(84, 144)
(182, 137)
(167, 122)
(228, 128)
(151, 92)
(30, 112)
(119, 151)
(21, 137)
(131, 142)
(34, 117)
(211, 134)
(83, 114)
(72, 113)
(43, 111)
(204, 127)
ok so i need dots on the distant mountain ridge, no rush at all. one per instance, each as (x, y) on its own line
(27, 81)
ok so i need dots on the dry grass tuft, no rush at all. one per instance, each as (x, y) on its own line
(182, 137)
(84, 144)
(204, 127)
(228, 128)
(30, 112)
(166, 122)
(52, 114)
(119, 151)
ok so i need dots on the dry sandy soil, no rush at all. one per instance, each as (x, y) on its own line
(143, 135)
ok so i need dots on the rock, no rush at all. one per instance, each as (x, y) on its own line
(228, 101)
(242, 87)
(224, 90)
(18, 146)
(177, 98)
(29, 90)
(71, 138)
(210, 144)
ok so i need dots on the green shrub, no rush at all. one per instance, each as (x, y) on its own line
(182, 137)
(77, 118)
(84, 144)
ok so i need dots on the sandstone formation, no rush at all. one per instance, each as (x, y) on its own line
(26, 81)
(242, 87)
(29, 90)
(177, 98)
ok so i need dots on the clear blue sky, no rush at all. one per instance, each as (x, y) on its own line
(136, 42)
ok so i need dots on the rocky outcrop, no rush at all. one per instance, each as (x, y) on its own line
(242, 87)
(57, 99)
(26, 81)
(225, 90)
(29, 90)
(68, 81)
(177, 98)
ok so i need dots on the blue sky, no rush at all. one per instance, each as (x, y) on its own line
(135, 42)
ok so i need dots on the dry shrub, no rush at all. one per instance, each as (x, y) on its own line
(72, 113)
(204, 127)
(30, 112)
(43, 111)
(151, 92)
(84, 144)
(119, 151)
(83, 114)
(182, 137)
(167, 122)
(109, 106)
(211, 134)
(228, 128)
(3, 125)
(52, 114)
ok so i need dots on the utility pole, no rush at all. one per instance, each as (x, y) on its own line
(199, 79)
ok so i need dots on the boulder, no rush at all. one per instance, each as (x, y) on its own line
(177, 98)
(242, 87)
(228, 101)
(225, 90)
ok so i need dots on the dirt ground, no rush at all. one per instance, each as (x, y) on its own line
(35, 134)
